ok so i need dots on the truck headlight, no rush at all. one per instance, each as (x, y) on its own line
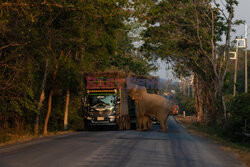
(110, 108)
(114, 112)
(112, 118)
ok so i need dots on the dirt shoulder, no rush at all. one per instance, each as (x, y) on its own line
(28, 137)
(242, 153)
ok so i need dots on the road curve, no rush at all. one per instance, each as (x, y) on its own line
(177, 148)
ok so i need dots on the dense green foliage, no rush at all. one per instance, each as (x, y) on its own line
(72, 37)
(238, 123)
(47, 46)
(239, 120)
(229, 80)
(188, 34)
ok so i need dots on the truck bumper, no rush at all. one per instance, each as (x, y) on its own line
(97, 123)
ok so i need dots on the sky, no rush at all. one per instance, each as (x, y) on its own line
(242, 12)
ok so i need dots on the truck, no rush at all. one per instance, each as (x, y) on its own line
(102, 107)
(106, 101)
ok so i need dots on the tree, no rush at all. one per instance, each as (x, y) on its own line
(187, 34)
(45, 48)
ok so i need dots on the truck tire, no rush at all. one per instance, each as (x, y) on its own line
(86, 125)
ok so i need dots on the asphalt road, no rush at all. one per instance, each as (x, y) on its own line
(119, 149)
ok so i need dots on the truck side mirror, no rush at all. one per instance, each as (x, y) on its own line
(84, 101)
(118, 100)
(85, 105)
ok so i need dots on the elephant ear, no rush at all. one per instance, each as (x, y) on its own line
(132, 93)
(132, 90)
(137, 92)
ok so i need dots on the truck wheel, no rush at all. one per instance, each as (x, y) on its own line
(86, 125)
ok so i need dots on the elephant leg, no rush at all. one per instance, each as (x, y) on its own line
(166, 125)
(163, 125)
(140, 116)
(145, 123)
(150, 123)
(139, 123)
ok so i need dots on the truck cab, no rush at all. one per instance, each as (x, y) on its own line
(101, 107)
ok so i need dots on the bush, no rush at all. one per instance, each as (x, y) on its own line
(186, 104)
(4, 138)
(239, 112)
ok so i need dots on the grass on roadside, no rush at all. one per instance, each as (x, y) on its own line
(190, 123)
(6, 139)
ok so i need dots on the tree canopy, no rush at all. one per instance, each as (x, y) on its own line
(46, 46)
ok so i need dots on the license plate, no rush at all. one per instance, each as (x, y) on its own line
(100, 118)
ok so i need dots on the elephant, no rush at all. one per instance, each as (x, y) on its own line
(150, 105)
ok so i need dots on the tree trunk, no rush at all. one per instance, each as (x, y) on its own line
(45, 132)
(227, 49)
(223, 102)
(198, 98)
(51, 95)
(66, 111)
(42, 97)
(224, 107)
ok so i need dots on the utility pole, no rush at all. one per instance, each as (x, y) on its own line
(246, 58)
(236, 67)
(236, 62)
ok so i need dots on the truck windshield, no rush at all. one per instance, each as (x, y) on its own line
(101, 100)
